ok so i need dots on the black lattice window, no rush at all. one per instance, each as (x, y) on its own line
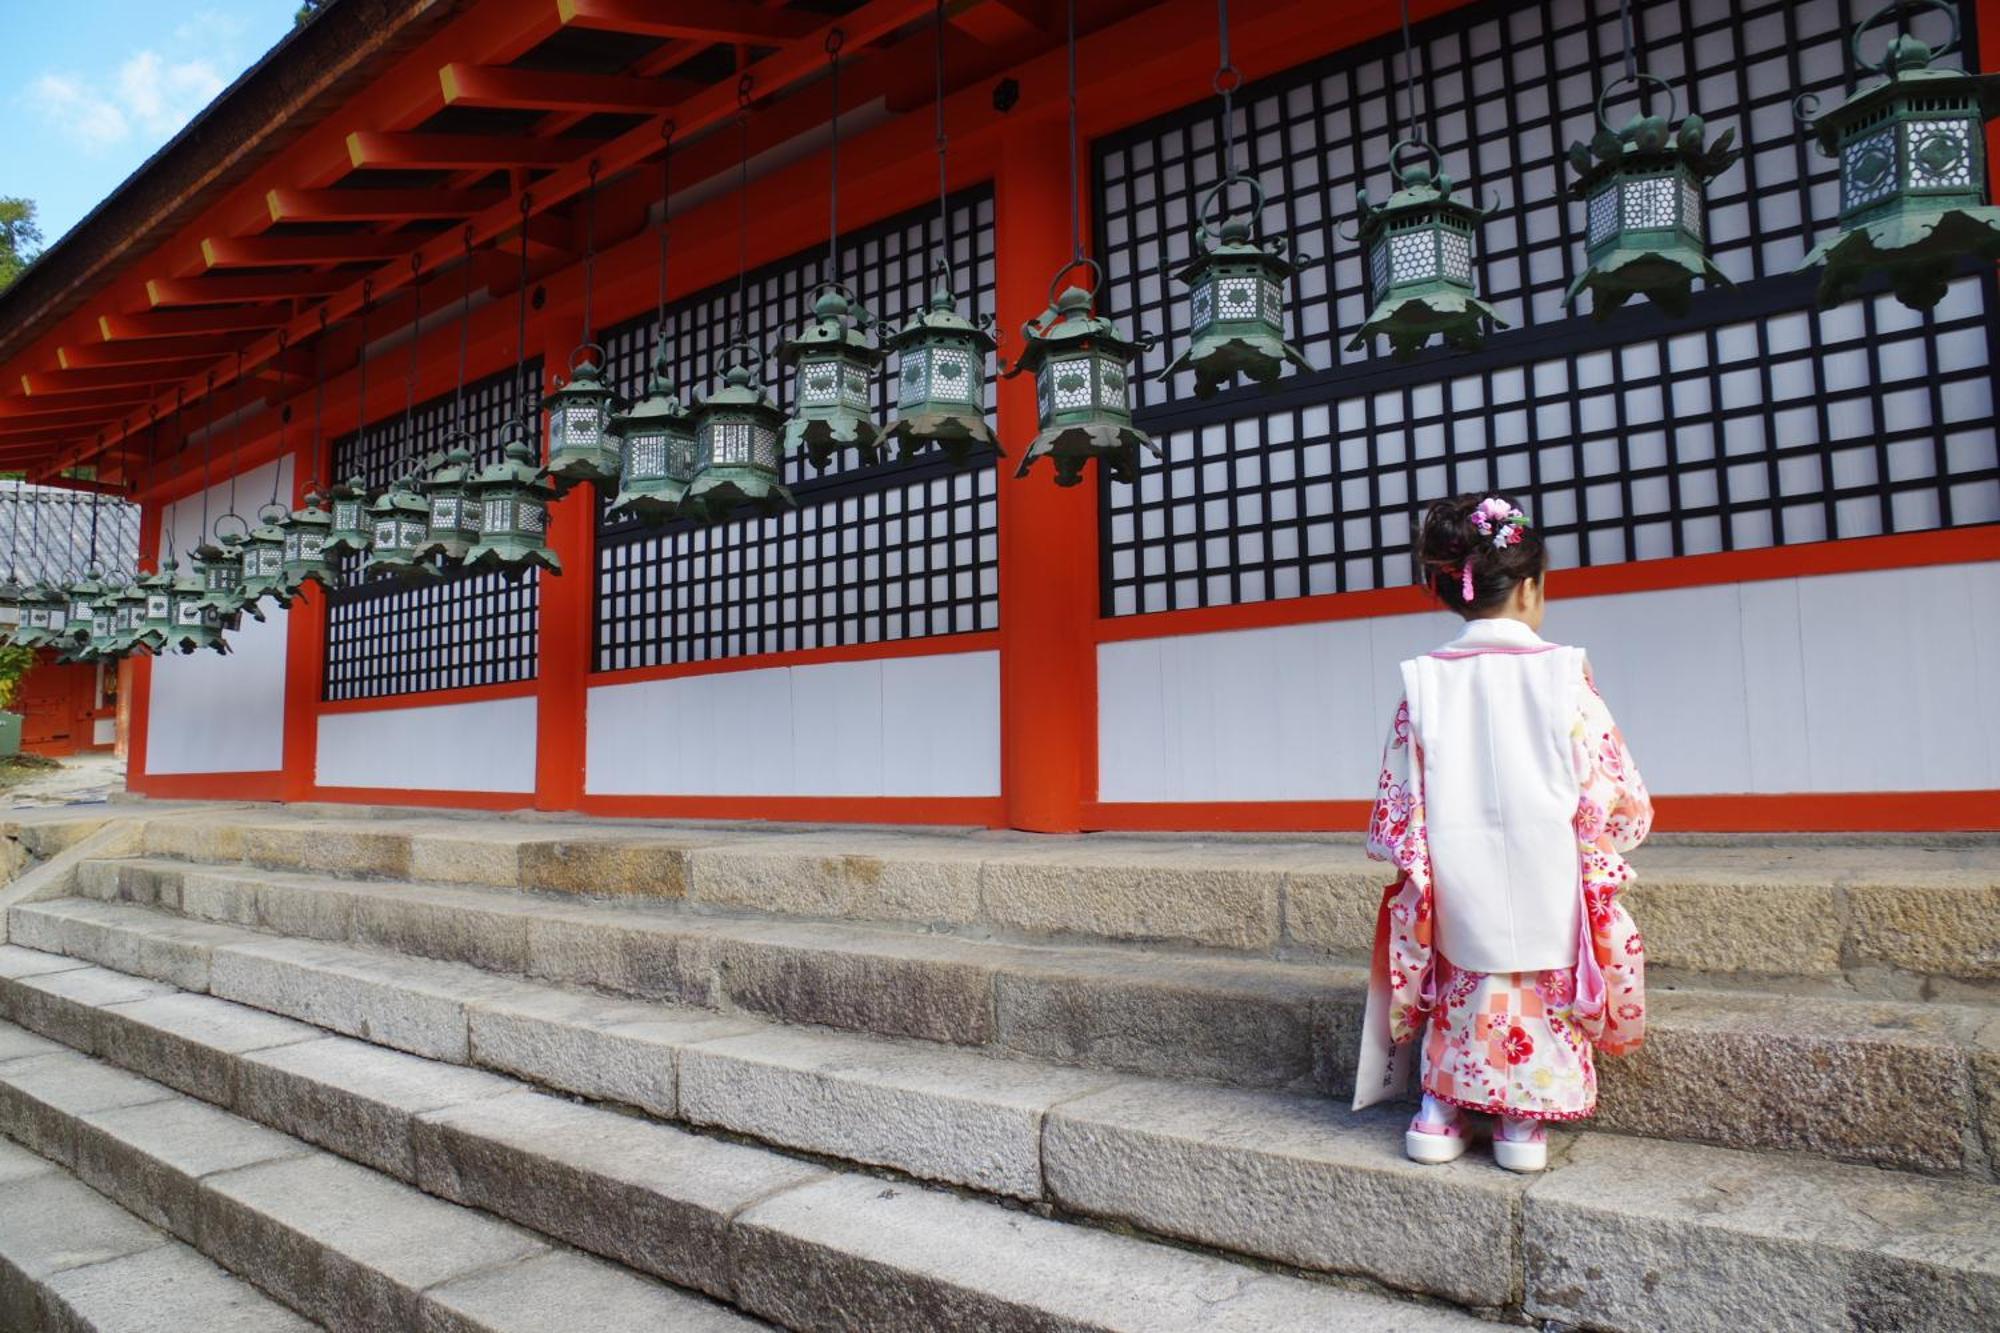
(898, 550)
(466, 629)
(1756, 421)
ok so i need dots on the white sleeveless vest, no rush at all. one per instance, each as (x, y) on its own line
(1492, 711)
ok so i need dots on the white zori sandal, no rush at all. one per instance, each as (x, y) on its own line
(1521, 1144)
(1437, 1135)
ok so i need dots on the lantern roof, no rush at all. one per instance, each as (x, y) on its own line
(1237, 239)
(1071, 323)
(1421, 186)
(839, 323)
(940, 316)
(659, 406)
(269, 516)
(1907, 71)
(402, 497)
(515, 467)
(740, 392)
(1651, 142)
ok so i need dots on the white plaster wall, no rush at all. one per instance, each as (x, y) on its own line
(221, 714)
(900, 726)
(1876, 681)
(484, 746)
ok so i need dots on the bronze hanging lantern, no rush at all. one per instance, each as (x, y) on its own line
(1236, 280)
(834, 364)
(451, 526)
(579, 447)
(513, 498)
(1081, 360)
(264, 556)
(941, 380)
(736, 431)
(1912, 154)
(218, 563)
(196, 622)
(156, 615)
(1420, 243)
(656, 445)
(108, 638)
(308, 555)
(1236, 299)
(351, 531)
(1643, 189)
(401, 520)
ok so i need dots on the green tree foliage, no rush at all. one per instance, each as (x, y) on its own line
(308, 11)
(15, 662)
(20, 238)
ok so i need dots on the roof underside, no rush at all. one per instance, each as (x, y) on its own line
(388, 128)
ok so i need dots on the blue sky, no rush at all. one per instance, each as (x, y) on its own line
(92, 88)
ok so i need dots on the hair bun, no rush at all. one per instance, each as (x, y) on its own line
(1473, 549)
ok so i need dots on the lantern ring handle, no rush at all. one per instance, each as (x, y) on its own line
(1805, 108)
(269, 508)
(579, 356)
(1083, 262)
(1211, 231)
(1227, 80)
(1423, 150)
(1901, 9)
(244, 522)
(1639, 80)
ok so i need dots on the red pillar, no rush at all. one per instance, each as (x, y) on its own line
(141, 681)
(567, 619)
(305, 652)
(1048, 533)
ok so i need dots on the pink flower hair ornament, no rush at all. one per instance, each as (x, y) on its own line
(1499, 522)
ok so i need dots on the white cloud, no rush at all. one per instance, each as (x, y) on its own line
(148, 94)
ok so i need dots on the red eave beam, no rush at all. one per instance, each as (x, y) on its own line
(377, 205)
(87, 355)
(453, 152)
(729, 21)
(547, 90)
(267, 251)
(242, 289)
(145, 374)
(203, 319)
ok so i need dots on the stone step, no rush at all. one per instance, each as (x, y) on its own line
(1896, 919)
(1654, 1235)
(498, 1168)
(1900, 1083)
(71, 1261)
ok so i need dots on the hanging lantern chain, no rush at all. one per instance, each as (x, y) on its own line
(207, 449)
(1412, 130)
(521, 320)
(742, 203)
(236, 448)
(361, 400)
(1631, 48)
(410, 380)
(1227, 80)
(589, 254)
(284, 423)
(1075, 195)
(464, 333)
(666, 193)
(944, 214)
(834, 41)
(319, 397)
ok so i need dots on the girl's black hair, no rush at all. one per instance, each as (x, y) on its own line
(1448, 538)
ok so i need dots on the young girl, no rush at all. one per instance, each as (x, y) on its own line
(1505, 800)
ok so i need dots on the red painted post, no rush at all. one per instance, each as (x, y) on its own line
(1048, 533)
(305, 652)
(564, 642)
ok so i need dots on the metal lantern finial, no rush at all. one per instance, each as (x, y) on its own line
(736, 442)
(941, 380)
(1419, 243)
(1912, 153)
(513, 497)
(1081, 362)
(1236, 298)
(834, 363)
(656, 447)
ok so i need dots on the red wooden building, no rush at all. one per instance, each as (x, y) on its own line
(1776, 525)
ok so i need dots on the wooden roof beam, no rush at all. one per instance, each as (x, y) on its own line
(87, 355)
(242, 289)
(462, 152)
(546, 90)
(203, 319)
(145, 375)
(379, 205)
(18, 413)
(729, 21)
(267, 251)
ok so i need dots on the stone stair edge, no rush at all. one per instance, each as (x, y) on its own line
(1141, 1138)
(1946, 1058)
(73, 1261)
(1884, 927)
(559, 1172)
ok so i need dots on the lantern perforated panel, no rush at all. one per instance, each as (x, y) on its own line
(466, 629)
(898, 550)
(1756, 421)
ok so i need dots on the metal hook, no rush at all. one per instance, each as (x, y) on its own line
(835, 39)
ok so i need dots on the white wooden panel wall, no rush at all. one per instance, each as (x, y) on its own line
(899, 726)
(483, 746)
(210, 714)
(1878, 681)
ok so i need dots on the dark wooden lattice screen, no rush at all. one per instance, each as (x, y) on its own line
(1756, 421)
(898, 550)
(384, 638)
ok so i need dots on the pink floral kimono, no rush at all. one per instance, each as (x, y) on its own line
(1506, 1043)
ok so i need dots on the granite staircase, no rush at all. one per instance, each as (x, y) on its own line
(385, 1070)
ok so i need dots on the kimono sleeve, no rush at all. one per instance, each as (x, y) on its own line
(1396, 834)
(1615, 812)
